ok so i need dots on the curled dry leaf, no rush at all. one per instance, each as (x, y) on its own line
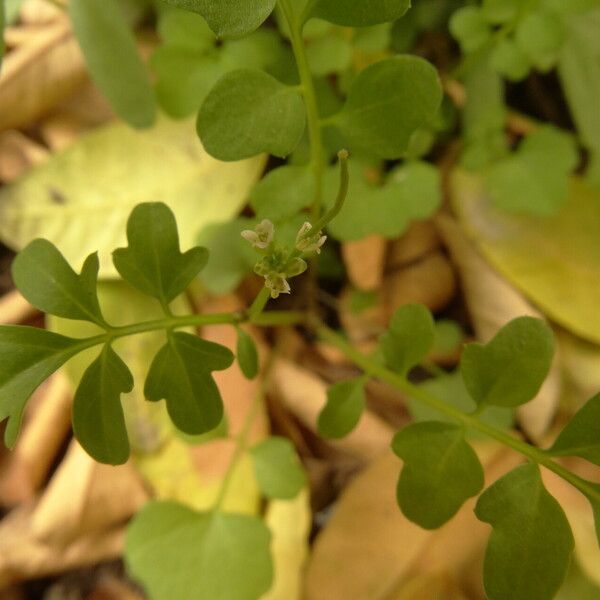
(492, 302)
(43, 435)
(14, 309)
(421, 238)
(18, 153)
(305, 395)
(430, 281)
(100, 497)
(40, 74)
(364, 260)
(382, 552)
(24, 556)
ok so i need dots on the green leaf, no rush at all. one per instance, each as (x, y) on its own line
(578, 68)
(451, 388)
(510, 61)
(540, 36)
(410, 192)
(176, 552)
(441, 471)
(181, 374)
(536, 178)
(530, 547)
(249, 112)
(593, 495)
(152, 262)
(28, 356)
(470, 27)
(111, 54)
(46, 279)
(358, 13)
(500, 12)
(247, 354)
(410, 338)
(98, 420)
(229, 17)
(345, 405)
(510, 369)
(103, 176)
(329, 54)
(230, 258)
(283, 193)
(581, 435)
(278, 471)
(387, 102)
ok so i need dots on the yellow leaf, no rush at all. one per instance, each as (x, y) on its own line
(81, 198)
(290, 523)
(554, 261)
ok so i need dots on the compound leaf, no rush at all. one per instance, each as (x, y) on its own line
(541, 36)
(111, 54)
(387, 102)
(179, 553)
(441, 471)
(152, 262)
(229, 17)
(46, 279)
(181, 374)
(98, 420)
(358, 13)
(247, 354)
(249, 112)
(510, 369)
(410, 338)
(529, 549)
(278, 471)
(581, 435)
(345, 405)
(28, 356)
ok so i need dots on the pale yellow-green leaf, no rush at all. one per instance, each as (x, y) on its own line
(81, 198)
(554, 261)
(290, 524)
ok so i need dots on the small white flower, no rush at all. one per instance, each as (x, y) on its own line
(308, 243)
(278, 284)
(261, 236)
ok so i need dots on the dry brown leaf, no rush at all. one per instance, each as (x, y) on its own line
(23, 556)
(420, 239)
(430, 281)
(364, 260)
(305, 395)
(18, 153)
(85, 497)
(42, 437)
(39, 75)
(365, 326)
(40, 12)
(381, 550)
(15, 309)
(492, 302)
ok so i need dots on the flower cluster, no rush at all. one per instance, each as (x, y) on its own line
(280, 264)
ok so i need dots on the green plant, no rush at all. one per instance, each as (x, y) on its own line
(261, 94)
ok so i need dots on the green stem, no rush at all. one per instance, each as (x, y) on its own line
(269, 319)
(310, 100)
(259, 304)
(341, 197)
(375, 369)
